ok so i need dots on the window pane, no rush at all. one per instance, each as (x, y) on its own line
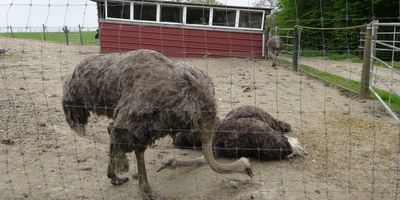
(249, 19)
(146, 12)
(171, 14)
(224, 17)
(119, 10)
(197, 15)
(100, 10)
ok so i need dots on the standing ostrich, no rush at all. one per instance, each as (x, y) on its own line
(274, 46)
(148, 97)
(246, 131)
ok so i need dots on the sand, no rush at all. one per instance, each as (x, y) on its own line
(353, 144)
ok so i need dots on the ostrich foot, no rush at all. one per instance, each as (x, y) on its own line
(148, 194)
(118, 181)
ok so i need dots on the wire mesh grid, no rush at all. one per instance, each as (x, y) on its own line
(353, 144)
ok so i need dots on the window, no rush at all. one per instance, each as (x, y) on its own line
(171, 14)
(119, 10)
(197, 15)
(224, 17)
(147, 12)
(250, 19)
(101, 12)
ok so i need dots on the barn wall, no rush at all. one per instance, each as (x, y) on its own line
(179, 42)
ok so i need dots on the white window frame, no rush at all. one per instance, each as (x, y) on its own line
(250, 10)
(142, 3)
(172, 5)
(230, 9)
(120, 19)
(199, 25)
(184, 15)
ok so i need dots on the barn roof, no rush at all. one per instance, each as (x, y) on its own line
(267, 10)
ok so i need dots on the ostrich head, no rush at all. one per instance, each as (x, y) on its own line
(243, 166)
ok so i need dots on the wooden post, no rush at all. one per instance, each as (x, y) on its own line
(365, 73)
(266, 35)
(44, 32)
(80, 34)
(12, 33)
(296, 45)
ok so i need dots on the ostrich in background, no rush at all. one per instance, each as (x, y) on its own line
(245, 131)
(148, 97)
(274, 47)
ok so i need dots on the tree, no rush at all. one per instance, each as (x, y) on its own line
(333, 13)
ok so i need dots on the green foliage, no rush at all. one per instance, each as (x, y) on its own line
(332, 13)
(88, 37)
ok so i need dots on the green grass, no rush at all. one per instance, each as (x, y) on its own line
(88, 37)
(354, 86)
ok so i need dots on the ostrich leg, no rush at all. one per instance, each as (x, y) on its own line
(111, 167)
(114, 148)
(144, 186)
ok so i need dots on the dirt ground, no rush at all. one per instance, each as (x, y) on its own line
(353, 145)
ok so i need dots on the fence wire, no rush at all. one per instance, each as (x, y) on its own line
(353, 145)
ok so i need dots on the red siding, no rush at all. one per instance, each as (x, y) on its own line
(179, 42)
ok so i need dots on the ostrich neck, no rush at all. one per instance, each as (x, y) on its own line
(206, 140)
(191, 162)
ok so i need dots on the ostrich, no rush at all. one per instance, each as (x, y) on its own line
(192, 140)
(148, 97)
(246, 131)
(274, 46)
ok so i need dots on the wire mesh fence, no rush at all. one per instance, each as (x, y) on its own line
(352, 143)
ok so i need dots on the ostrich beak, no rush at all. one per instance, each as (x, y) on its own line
(249, 172)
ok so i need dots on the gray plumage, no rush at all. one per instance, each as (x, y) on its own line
(274, 47)
(246, 131)
(148, 97)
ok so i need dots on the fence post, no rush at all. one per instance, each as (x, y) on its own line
(266, 35)
(44, 32)
(80, 34)
(12, 33)
(365, 73)
(296, 42)
(66, 31)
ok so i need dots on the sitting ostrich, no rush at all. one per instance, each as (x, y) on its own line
(274, 46)
(148, 97)
(192, 140)
(245, 131)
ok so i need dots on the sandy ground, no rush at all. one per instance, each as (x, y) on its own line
(353, 145)
(382, 77)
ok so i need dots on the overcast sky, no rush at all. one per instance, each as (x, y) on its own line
(58, 14)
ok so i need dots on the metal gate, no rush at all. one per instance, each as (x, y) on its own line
(385, 65)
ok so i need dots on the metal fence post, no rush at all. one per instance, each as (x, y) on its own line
(296, 42)
(80, 34)
(365, 73)
(44, 32)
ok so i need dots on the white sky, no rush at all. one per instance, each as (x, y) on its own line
(79, 12)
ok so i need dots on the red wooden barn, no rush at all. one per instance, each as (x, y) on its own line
(181, 29)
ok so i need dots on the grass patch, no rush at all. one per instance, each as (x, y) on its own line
(354, 86)
(88, 37)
